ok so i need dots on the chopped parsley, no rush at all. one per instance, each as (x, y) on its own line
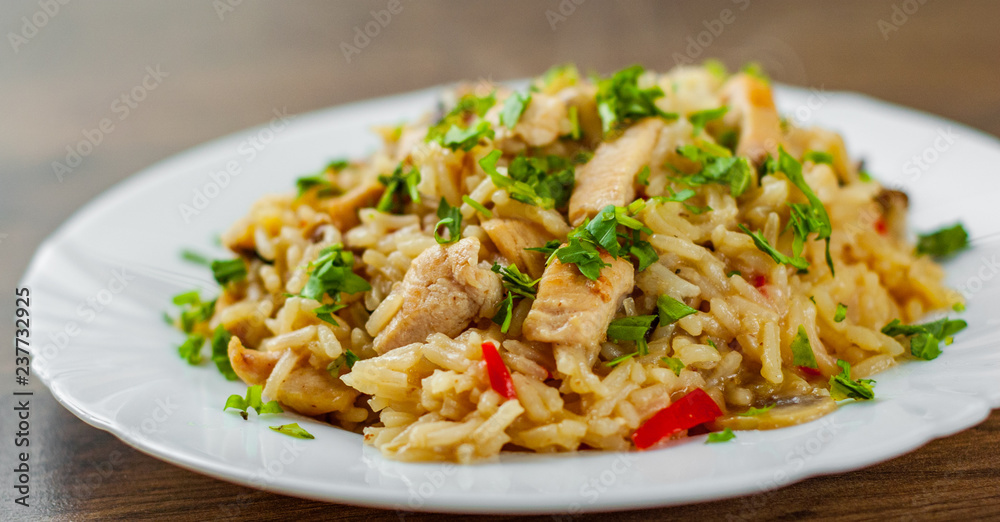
(842, 387)
(451, 220)
(700, 118)
(468, 107)
(332, 273)
(817, 157)
(190, 349)
(558, 77)
(840, 314)
(802, 352)
(618, 360)
(720, 436)
(634, 328)
(805, 219)
(681, 197)
(321, 180)
(717, 165)
(194, 257)
(643, 176)
(485, 212)
(345, 360)
(755, 70)
(864, 176)
(465, 139)
(293, 430)
(753, 412)
(671, 310)
(515, 283)
(943, 243)
(230, 271)
(252, 401)
(584, 255)
(675, 364)
(731, 273)
(620, 101)
(220, 352)
(925, 338)
(548, 249)
(193, 310)
(544, 182)
(764, 246)
(325, 312)
(400, 188)
(513, 108)
(574, 122)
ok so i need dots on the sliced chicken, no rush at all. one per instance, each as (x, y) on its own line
(609, 177)
(307, 390)
(542, 121)
(571, 309)
(343, 209)
(444, 289)
(751, 108)
(513, 236)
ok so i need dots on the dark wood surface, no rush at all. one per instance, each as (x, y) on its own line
(227, 73)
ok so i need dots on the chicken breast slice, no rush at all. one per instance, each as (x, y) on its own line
(513, 236)
(571, 309)
(542, 121)
(751, 107)
(609, 177)
(444, 289)
(343, 209)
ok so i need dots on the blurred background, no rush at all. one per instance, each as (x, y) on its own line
(172, 75)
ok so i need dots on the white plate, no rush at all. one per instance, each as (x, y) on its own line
(100, 345)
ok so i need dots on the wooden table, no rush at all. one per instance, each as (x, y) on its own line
(228, 69)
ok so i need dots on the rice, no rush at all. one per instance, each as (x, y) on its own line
(433, 398)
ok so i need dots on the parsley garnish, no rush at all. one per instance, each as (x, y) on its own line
(190, 349)
(252, 401)
(305, 183)
(574, 123)
(717, 165)
(802, 352)
(700, 118)
(584, 255)
(805, 219)
(720, 436)
(451, 219)
(220, 353)
(943, 243)
(602, 231)
(757, 71)
(548, 249)
(643, 176)
(468, 106)
(863, 175)
(513, 108)
(675, 364)
(332, 274)
(325, 312)
(842, 387)
(764, 246)
(620, 101)
(671, 310)
(634, 328)
(458, 138)
(925, 338)
(753, 412)
(194, 257)
(516, 283)
(485, 212)
(226, 272)
(817, 156)
(399, 189)
(193, 310)
(346, 359)
(557, 78)
(294, 430)
(544, 182)
(840, 314)
(681, 197)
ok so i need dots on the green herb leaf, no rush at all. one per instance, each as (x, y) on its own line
(753, 412)
(230, 271)
(842, 387)
(731, 273)
(802, 352)
(574, 123)
(252, 401)
(634, 328)
(643, 176)
(516, 282)
(700, 118)
(451, 219)
(325, 313)
(925, 338)
(644, 253)
(620, 101)
(811, 218)
(584, 255)
(943, 243)
(864, 176)
(671, 310)
(194, 257)
(757, 71)
(544, 182)
(558, 77)
(293, 430)
(778, 257)
(817, 156)
(468, 107)
(465, 139)
(513, 107)
(718, 165)
(505, 311)
(220, 353)
(675, 365)
(485, 212)
(332, 273)
(190, 349)
(548, 249)
(720, 436)
(305, 183)
(400, 188)
(841, 313)
(346, 359)
(618, 360)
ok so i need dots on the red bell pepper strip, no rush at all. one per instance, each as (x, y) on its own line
(499, 374)
(810, 371)
(687, 412)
